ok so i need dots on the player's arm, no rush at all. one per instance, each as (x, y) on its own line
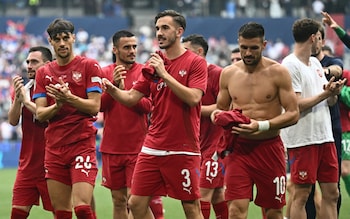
(330, 91)
(224, 100)
(16, 107)
(206, 110)
(91, 105)
(288, 100)
(19, 99)
(341, 33)
(62, 94)
(44, 112)
(144, 105)
(191, 96)
(127, 97)
(334, 70)
(14, 112)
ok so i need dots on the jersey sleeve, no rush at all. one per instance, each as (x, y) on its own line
(39, 86)
(199, 74)
(94, 83)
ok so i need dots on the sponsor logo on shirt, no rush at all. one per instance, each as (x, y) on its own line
(161, 85)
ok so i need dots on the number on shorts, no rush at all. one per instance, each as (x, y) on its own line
(81, 163)
(212, 168)
(186, 174)
(280, 185)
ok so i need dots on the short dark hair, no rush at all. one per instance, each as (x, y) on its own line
(322, 32)
(303, 28)
(235, 50)
(59, 25)
(198, 40)
(119, 34)
(327, 48)
(177, 17)
(251, 30)
(45, 52)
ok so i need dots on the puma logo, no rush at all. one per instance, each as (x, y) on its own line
(49, 77)
(278, 198)
(210, 180)
(187, 189)
(86, 172)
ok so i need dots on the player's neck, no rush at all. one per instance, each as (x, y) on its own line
(174, 51)
(64, 61)
(126, 65)
(303, 53)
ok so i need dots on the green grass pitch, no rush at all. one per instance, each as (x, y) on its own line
(173, 209)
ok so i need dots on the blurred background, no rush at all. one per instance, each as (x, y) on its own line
(23, 24)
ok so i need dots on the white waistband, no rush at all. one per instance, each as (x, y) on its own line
(156, 152)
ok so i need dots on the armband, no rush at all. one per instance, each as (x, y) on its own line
(340, 32)
(263, 125)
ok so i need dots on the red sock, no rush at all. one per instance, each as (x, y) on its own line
(17, 213)
(263, 213)
(84, 212)
(63, 214)
(221, 210)
(156, 206)
(205, 208)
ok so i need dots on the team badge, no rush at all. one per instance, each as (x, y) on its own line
(76, 76)
(182, 73)
(303, 175)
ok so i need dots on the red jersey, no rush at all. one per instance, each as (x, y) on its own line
(174, 124)
(69, 125)
(210, 133)
(124, 128)
(344, 110)
(31, 158)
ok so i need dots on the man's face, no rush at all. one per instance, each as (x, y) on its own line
(34, 61)
(167, 32)
(63, 44)
(251, 50)
(125, 51)
(235, 57)
(317, 44)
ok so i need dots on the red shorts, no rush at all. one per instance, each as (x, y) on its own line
(26, 192)
(259, 162)
(117, 170)
(174, 175)
(212, 173)
(72, 163)
(314, 162)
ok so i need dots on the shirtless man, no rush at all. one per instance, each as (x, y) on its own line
(260, 87)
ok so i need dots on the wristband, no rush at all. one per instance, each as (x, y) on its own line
(340, 32)
(263, 125)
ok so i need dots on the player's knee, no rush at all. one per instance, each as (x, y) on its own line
(273, 213)
(191, 208)
(119, 201)
(236, 211)
(331, 196)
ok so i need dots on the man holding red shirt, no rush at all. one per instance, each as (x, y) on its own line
(169, 161)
